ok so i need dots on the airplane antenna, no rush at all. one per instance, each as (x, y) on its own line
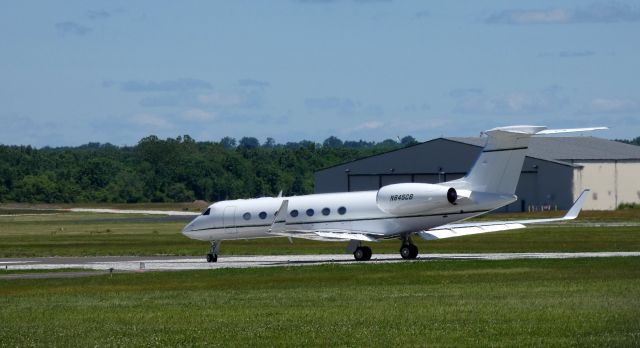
(280, 194)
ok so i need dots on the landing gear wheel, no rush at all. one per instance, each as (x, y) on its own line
(212, 256)
(409, 251)
(362, 254)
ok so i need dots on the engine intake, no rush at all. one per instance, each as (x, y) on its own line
(412, 198)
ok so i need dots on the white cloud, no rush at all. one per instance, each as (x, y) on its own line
(150, 120)
(72, 28)
(178, 85)
(531, 16)
(198, 115)
(607, 105)
(608, 12)
(370, 125)
(341, 105)
(473, 101)
(229, 99)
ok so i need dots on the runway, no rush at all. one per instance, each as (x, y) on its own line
(177, 263)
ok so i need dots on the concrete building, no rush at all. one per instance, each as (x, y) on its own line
(554, 172)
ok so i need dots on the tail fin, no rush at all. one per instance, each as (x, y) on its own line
(498, 168)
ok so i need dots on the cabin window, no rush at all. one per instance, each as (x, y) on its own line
(342, 210)
(326, 211)
(294, 213)
(246, 216)
(207, 212)
(310, 212)
(263, 215)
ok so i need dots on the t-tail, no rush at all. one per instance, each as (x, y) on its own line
(498, 167)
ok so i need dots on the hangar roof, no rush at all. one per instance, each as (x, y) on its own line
(561, 150)
(571, 148)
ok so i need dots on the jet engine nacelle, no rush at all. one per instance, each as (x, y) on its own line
(412, 198)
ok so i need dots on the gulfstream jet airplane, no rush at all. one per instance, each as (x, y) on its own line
(399, 211)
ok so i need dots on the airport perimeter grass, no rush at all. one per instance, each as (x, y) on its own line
(578, 302)
(82, 234)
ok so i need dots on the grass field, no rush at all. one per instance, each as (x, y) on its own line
(85, 234)
(579, 302)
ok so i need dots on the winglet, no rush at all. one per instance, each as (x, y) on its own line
(280, 219)
(576, 207)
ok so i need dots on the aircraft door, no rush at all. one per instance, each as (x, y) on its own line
(229, 220)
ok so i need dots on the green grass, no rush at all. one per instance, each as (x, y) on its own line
(82, 234)
(579, 302)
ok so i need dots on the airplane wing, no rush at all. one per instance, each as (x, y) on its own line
(329, 235)
(464, 229)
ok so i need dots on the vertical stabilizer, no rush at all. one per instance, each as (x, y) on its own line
(498, 167)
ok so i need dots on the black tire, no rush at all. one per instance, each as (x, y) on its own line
(367, 253)
(212, 258)
(360, 254)
(414, 251)
(409, 251)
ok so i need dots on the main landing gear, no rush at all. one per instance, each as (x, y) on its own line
(213, 255)
(362, 253)
(408, 250)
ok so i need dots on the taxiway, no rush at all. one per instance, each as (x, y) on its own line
(177, 263)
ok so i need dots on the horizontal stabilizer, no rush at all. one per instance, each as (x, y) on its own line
(571, 130)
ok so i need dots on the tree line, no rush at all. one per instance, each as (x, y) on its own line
(173, 169)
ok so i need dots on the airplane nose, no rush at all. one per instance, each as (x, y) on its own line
(187, 229)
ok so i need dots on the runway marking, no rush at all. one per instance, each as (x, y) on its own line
(129, 263)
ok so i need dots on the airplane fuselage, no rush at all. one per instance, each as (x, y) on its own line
(353, 211)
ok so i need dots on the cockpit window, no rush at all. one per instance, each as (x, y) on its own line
(207, 212)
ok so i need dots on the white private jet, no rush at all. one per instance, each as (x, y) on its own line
(398, 211)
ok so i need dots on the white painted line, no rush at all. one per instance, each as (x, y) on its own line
(122, 211)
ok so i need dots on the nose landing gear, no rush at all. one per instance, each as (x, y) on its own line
(213, 255)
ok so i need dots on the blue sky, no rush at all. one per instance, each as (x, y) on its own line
(73, 72)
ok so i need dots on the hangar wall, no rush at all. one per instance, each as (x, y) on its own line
(542, 182)
(622, 184)
(430, 162)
